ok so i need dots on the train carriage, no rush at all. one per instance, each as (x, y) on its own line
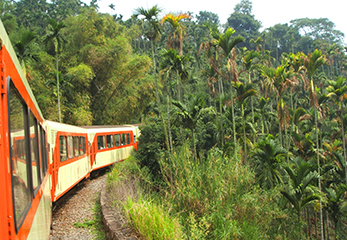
(24, 178)
(110, 144)
(69, 156)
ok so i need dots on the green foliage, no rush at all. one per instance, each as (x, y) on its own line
(213, 195)
(267, 157)
(298, 191)
(151, 221)
(152, 146)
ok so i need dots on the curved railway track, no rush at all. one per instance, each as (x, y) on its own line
(76, 208)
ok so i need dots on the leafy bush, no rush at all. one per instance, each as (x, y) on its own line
(152, 146)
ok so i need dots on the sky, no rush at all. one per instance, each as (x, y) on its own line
(268, 12)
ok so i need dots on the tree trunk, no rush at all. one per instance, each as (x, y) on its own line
(232, 111)
(157, 97)
(58, 90)
(318, 164)
(168, 120)
(344, 142)
(220, 110)
(244, 131)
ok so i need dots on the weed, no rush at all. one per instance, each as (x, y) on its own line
(95, 224)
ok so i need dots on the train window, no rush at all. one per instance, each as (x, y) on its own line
(39, 138)
(35, 164)
(19, 170)
(128, 138)
(70, 153)
(63, 148)
(123, 139)
(116, 140)
(83, 145)
(76, 146)
(43, 151)
(44, 143)
(109, 141)
(101, 142)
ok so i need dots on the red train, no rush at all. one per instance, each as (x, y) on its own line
(41, 160)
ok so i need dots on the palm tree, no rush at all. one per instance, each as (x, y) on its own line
(268, 155)
(278, 80)
(173, 63)
(250, 60)
(337, 91)
(22, 47)
(335, 207)
(243, 93)
(175, 39)
(227, 44)
(153, 34)
(312, 62)
(296, 191)
(190, 114)
(55, 39)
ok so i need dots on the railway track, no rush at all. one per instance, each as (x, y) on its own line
(73, 215)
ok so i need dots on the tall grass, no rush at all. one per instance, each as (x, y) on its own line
(220, 193)
(208, 198)
(128, 189)
(151, 221)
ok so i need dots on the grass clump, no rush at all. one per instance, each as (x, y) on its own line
(151, 220)
(147, 217)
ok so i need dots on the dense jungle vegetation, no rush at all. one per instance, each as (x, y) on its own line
(244, 130)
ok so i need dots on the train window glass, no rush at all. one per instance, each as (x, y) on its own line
(34, 151)
(70, 152)
(83, 145)
(19, 170)
(116, 140)
(39, 138)
(123, 139)
(109, 141)
(76, 146)
(43, 151)
(101, 142)
(63, 148)
(45, 154)
(128, 138)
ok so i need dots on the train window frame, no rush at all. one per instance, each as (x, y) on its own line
(64, 146)
(101, 147)
(44, 151)
(117, 143)
(70, 149)
(34, 152)
(123, 139)
(39, 140)
(128, 138)
(109, 141)
(82, 145)
(76, 146)
(12, 90)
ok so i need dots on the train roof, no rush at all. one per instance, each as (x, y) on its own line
(108, 128)
(64, 127)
